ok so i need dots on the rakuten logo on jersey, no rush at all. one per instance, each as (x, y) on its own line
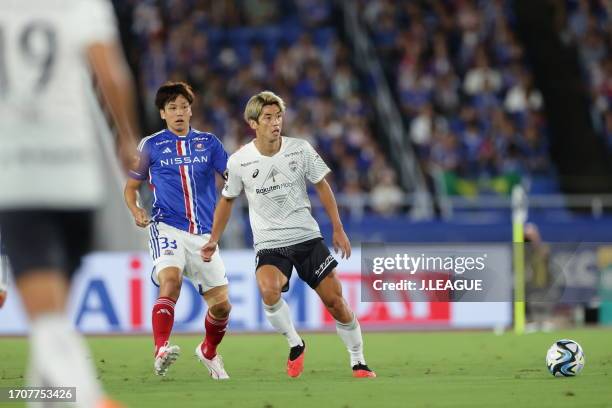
(183, 160)
(267, 190)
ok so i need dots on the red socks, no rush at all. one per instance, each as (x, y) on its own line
(163, 319)
(215, 330)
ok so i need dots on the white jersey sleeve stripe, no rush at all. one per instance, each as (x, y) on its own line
(144, 140)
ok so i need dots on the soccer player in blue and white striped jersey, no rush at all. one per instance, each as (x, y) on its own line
(180, 164)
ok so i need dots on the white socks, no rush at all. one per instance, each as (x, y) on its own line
(58, 357)
(279, 317)
(350, 333)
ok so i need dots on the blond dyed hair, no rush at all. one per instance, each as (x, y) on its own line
(255, 105)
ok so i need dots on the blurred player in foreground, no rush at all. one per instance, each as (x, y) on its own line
(180, 164)
(50, 174)
(3, 274)
(273, 169)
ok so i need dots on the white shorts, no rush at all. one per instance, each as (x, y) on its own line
(172, 247)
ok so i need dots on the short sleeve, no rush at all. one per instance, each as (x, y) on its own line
(144, 161)
(316, 168)
(219, 157)
(95, 22)
(233, 183)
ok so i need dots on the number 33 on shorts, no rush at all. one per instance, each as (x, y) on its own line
(165, 243)
(171, 247)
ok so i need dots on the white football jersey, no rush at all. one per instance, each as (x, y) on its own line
(49, 156)
(275, 186)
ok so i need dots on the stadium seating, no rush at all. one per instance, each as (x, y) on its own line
(471, 111)
(466, 93)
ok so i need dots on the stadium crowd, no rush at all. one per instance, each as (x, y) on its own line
(589, 25)
(464, 89)
(229, 50)
(462, 82)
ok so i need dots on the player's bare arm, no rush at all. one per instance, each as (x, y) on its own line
(117, 88)
(339, 240)
(130, 194)
(222, 215)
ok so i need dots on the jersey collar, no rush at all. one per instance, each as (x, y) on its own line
(180, 137)
(282, 147)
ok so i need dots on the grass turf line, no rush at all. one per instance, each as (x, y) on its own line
(446, 369)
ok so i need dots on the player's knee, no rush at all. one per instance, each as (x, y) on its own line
(270, 294)
(170, 287)
(221, 310)
(172, 284)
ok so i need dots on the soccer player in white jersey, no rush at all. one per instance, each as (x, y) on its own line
(180, 164)
(50, 175)
(272, 170)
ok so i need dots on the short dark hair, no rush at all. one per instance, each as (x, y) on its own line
(169, 91)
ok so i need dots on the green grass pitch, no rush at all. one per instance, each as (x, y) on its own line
(440, 369)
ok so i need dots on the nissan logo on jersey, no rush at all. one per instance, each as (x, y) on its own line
(183, 160)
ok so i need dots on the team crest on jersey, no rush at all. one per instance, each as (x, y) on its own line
(199, 147)
(293, 165)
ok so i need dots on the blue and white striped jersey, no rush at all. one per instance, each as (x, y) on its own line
(181, 170)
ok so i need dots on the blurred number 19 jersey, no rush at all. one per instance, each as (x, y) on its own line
(49, 154)
(181, 170)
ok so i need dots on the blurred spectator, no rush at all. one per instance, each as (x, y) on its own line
(446, 93)
(535, 150)
(386, 197)
(422, 126)
(445, 152)
(523, 96)
(352, 202)
(482, 76)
